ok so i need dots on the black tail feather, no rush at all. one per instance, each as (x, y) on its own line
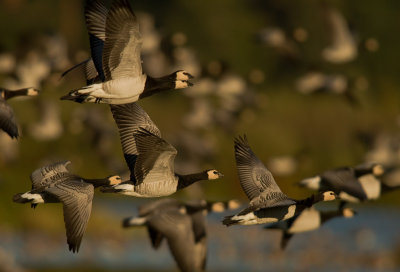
(19, 199)
(228, 221)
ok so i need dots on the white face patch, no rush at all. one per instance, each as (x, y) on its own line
(213, 174)
(182, 75)
(32, 92)
(311, 183)
(179, 84)
(378, 170)
(114, 180)
(329, 196)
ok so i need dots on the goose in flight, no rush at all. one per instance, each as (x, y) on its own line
(343, 47)
(353, 184)
(149, 157)
(7, 118)
(267, 202)
(115, 42)
(308, 220)
(54, 184)
(183, 225)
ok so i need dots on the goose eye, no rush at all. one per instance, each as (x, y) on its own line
(215, 172)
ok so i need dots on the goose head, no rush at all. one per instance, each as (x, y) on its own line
(32, 92)
(327, 196)
(182, 75)
(378, 170)
(181, 84)
(213, 174)
(348, 212)
(114, 180)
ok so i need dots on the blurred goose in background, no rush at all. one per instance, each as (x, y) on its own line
(49, 126)
(7, 118)
(183, 225)
(343, 47)
(53, 184)
(149, 157)
(308, 220)
(116, 43)
(267, 202)
(352, 184)
(275, 37)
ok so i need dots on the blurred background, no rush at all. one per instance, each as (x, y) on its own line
(313, 84)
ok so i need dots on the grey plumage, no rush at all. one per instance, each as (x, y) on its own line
(357, 183)
(149, 157)
(308, 220)
(8, 123)
(115, 42)
(54, 183)
(182, 224)
(267, 202)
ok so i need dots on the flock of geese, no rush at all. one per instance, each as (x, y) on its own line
(115, 77)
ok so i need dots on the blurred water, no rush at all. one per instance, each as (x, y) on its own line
(368, 242)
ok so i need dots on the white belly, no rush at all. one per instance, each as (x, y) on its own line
(265, 216)
(124, 87)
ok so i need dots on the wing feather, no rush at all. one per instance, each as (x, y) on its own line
(254, 177)
(49, 174)
(8, 123)
(122, 46)
(76, 196)
(156, 157)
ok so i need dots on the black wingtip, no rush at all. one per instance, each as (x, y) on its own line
(17, 198)
(228, 221)
(125, 222)
(78, 99)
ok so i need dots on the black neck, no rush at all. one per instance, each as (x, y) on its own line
(362, 171)
(97, 182)
(156, 85)
(307, 202)
(10, 94)
(186, 180)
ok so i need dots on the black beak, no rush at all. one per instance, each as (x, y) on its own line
(189, 75)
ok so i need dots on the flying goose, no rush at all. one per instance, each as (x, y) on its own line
(308, 220)
(267, 202)
(182, 224)
(352, 184)
(149, 157)
(343, 47)
(7, 118)
(116, 42)
(54, 184)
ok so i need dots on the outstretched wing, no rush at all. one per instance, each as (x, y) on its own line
(96, 16)
(343, 179)
(122, 46)
(49, 174)
(7, 119)
(155, 161)
(257, 182)
(76, 196)
(129, 117)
